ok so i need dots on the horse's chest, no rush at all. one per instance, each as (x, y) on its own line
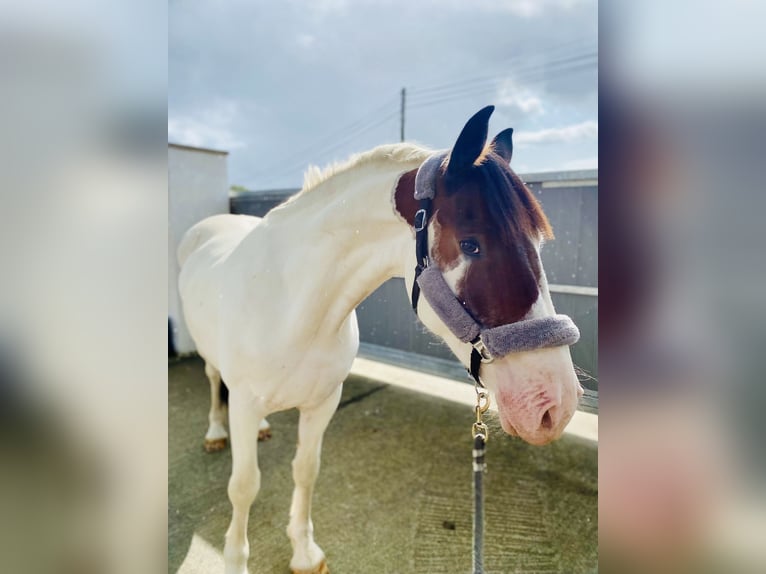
(293, 369)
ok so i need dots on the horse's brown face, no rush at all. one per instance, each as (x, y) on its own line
(485, 234)
(484, 253)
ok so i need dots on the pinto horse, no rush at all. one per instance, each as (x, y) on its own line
(270, 302)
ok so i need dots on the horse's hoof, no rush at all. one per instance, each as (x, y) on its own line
(215, 444)
(264, 434)
(321, 569)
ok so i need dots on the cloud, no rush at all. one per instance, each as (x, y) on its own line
(510, 95)
(306, 40)
(323, 7)
(293, 92)
(524, 8)
(565, 134)
(212, 127)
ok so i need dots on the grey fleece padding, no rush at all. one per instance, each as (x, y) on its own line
(531, 334)
(516, 337)
(445, 304)
(425, 179)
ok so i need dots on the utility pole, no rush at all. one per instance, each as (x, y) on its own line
(404, 99)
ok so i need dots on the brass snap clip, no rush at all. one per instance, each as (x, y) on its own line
(482, 404)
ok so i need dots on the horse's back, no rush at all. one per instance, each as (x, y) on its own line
(201, 252)
(224, 226)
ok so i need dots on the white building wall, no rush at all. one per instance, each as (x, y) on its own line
(198, 186)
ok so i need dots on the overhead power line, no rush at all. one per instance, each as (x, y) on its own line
(493, 85)
(324, 147)
(371, 116)
(327, 152)
(517, 72)
(581, 46)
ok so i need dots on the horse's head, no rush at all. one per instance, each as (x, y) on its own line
(485, 230)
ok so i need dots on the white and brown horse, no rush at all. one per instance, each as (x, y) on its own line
(270, 303)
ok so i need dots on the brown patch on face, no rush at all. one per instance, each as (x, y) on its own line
(404, 196)
(447, 248)
(501, 283)
(501, 286)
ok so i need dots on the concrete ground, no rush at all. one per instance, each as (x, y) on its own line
(394, 492)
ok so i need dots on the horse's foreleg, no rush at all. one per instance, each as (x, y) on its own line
(308, 558)
(244, 419)
(215, 438)
(264, 430)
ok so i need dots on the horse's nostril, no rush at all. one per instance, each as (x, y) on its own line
(547, 421)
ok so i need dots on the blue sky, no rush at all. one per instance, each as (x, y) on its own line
(281, 85)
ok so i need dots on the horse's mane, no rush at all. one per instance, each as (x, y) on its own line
(512, 206)
(399, 153)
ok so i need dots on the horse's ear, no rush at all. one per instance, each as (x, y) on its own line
(503, 144)
(470, 142)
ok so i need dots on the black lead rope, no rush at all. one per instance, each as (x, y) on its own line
(479, 468)
(480, 433)
(475, 366)
(480, 436)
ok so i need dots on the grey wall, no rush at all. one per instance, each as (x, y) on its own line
(570, 200)
(258, 202)
(572, 257)
(198, 186)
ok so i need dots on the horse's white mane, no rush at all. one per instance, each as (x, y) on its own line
(399, 153)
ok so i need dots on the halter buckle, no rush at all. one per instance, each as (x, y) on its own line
(486, 356)
(420, 220)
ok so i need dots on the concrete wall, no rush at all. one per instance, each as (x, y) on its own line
(198, 186)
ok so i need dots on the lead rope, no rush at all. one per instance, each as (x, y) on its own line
(480, 437)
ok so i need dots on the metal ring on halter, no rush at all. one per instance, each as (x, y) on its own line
(420, 220)
(482, 402)
(486, 356)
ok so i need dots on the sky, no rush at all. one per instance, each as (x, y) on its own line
(281, 85)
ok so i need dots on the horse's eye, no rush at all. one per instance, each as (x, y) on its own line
(470, 247)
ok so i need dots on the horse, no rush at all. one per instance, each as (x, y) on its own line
(270, 302)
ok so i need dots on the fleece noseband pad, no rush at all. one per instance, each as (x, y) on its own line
(445, 304)
(526, 335)
(531, 334)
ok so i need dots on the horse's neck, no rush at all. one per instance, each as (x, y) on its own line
(356, 238)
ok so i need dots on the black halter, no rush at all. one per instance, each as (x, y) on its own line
(422, 217)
